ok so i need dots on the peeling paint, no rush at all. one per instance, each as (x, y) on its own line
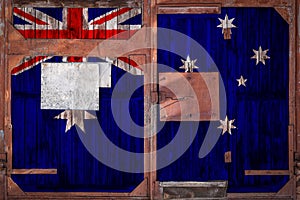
(1, 22)
(1, 29)
(298, 21)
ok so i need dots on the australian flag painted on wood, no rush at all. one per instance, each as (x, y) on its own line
(260, 141)
(38, 138)
(75, 23)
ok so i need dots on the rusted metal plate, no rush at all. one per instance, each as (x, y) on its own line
(70, 86)
(184, 92)
(194, 190)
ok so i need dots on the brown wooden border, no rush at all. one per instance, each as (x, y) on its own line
(78, 3)
(266, 172)
(287, 9)
(34, 171)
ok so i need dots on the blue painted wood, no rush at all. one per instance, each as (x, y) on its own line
(40, 141)
(260, 109)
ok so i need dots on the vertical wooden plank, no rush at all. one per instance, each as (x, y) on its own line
(75, 22)
(298, 75)
(63, 32)
(86, 33)
(29, 11)
(2, 62)
(297, 84)
(122, 34)
(53, 28)
(2, 92)
(147, 102)
(7, 105)
(40, 31)
(6, 15)
(151, 76)
(111, 22)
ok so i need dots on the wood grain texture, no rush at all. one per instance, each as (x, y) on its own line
(74, 3)
(289, 14)
(227, 157)
(266, 172)
(189, 9)
(152, 77)
(78, 47)
(189, 96)
(265, 196)
(285, 13)
(226, 3)
(34, 171)
(231, 3)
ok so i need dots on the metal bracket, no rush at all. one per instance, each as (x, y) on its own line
(3, 155)
(3, 161)
(157, 97)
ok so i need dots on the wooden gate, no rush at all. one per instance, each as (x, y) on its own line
(258, 158)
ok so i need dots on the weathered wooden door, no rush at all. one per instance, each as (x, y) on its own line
(258, 148)
(46, 155)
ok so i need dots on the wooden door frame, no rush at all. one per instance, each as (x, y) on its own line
(10, 56)
(287, 9)
(16, 48)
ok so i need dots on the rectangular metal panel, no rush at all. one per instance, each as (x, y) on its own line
(70, 86)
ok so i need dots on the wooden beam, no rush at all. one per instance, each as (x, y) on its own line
(257, 196)
(266, 172)
(78, 47)
(78, 3)
(152, 113)
(230, 3)
(34, 171)
(291, 140)
(2, 62)
(194, 9)
(5, 14)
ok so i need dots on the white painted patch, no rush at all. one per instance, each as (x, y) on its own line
(105, 74)
(73, 86)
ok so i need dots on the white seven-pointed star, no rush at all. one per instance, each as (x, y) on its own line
(226, 23)
(75, 117)
(260, 55)
(226, 125)
(242, 81)
(188, 64)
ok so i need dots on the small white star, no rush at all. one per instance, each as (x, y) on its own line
(75, 117)
(242, 81)
(226, 23)
(188, 64)
(260, 55)
(226, 125)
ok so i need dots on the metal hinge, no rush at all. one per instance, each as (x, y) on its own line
(157, 97)
(3, 155)
(3, 161)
